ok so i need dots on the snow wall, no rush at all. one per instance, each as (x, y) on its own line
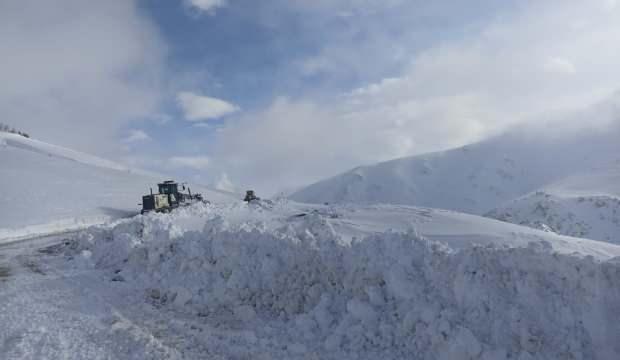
(390, 295)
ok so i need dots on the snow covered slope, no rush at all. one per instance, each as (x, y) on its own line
(592, 217)
(475, 178)
(583, 206)
(499, 176)
(285, 280)
(33, 145)
(47, 188)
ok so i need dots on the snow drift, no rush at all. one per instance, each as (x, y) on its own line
(269, 270)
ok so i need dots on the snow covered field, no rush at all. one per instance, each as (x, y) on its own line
(47, 189)
(287, 280)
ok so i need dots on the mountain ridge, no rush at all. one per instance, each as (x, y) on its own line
(485, 176)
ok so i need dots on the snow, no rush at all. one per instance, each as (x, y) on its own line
(491, 177)
(592, 217)
(48, 189)
(49, 312)
(288, 280)
(479, 177)
(33, 145)
(281, 279)
(584, 205)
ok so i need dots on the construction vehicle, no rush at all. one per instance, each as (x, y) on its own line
(250, 196)
(169, 198)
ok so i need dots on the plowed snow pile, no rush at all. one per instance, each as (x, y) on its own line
(281, 273)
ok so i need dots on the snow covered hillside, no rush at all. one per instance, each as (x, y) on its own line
(286, 280)
(583, 206)
(494, 176)
(474, 178)
(47, 188)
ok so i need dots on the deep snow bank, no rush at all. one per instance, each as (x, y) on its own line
(390, 295)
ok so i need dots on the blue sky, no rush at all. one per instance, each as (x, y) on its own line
(250, 53)
(275, 94)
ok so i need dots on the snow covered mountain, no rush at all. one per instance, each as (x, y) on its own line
(47, 188)
(583, 206)
(474, 178)
(498, 176)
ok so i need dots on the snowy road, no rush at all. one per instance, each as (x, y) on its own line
(51, 309)
(51, 312)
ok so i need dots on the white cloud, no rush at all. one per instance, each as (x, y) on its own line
(225, 184)
(79, 71)
(611, 4)
(560, 66)
(136, 136)
(450, 94)
(191, 162)
(208, 6)
(202, 125)
(200, 108)
(160, 119)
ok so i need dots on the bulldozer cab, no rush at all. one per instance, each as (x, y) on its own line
(250, 196)
(168, 188)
